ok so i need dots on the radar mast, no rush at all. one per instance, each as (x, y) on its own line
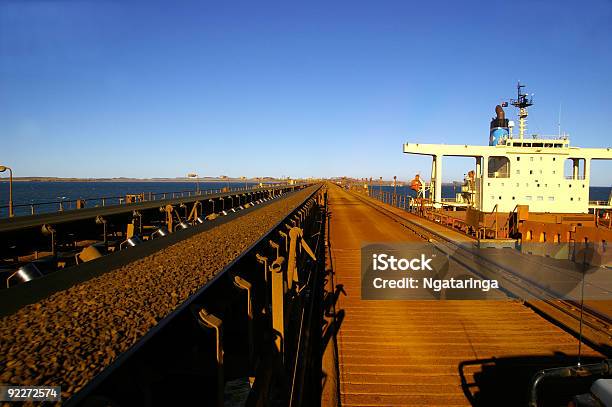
(522, 102)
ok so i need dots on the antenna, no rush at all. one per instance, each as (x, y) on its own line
(522, 102)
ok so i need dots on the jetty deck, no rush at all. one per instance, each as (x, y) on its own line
(429, 353)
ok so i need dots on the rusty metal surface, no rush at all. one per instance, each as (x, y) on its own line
(513, 270)
(417, 353)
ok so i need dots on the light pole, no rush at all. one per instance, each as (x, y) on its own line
(394, 189)
(2, 169)
(380, 188)
(193, 175)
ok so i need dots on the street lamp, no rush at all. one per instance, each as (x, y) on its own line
(2, 169)
(394, 189)
(192, 175)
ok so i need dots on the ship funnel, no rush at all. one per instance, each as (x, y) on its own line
(499, 127)
(499, 111)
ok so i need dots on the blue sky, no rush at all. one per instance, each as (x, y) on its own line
(146, 89)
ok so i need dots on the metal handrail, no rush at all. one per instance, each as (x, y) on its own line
(71, 203)
(546, 137)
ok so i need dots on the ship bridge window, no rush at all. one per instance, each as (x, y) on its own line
(499, 167)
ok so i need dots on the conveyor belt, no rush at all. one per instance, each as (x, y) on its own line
(73, 335)
(36, 221)
(60, 280)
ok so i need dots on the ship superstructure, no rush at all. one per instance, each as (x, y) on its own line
(544, 172)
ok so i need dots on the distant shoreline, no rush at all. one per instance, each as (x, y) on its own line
(205, 179)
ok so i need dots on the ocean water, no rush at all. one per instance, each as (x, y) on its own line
(46, 195)
(39, 193)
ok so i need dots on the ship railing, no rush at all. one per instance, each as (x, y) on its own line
(577, 177)
(545, 137)
(61, 205)
(499, 230)
(482, 233)
(511, 225)
(426, 208)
